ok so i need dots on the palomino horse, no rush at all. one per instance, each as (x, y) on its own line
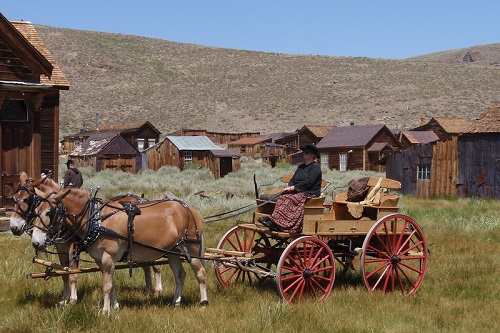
(139, 233)
(27, 197)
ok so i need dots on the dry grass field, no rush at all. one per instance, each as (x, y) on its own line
(175, 85)
(459, 293)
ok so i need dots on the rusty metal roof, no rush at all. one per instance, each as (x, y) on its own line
(488, 121)
(193, 143)
(249, 141)
(420, 137)
(93, 144)
(28, 31)
(349, 136)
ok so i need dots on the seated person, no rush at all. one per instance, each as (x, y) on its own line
(288, 214)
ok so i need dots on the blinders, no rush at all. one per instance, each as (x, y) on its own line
(31, 202)
(55, 214)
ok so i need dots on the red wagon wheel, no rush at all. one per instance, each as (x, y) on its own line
(241, 240)
(306, 269)
(394, 257)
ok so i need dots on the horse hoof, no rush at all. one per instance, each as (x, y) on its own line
(204, 304)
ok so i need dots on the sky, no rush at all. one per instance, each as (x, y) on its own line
(354, 28)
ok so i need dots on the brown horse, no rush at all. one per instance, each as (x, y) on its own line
(27, 198)
(141, 233)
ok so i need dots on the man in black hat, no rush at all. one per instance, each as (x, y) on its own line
(288, 213)
(73, 176)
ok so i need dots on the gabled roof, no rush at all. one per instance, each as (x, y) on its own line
(249, 141)
(55, 77)
(452, 125)
(420, 137)
(488, 121)
(126, 126)
(99, 142)
(318, 130)
(350, 136)
(192, 143)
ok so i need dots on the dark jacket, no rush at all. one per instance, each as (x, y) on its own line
(307, 179)
(73, 178)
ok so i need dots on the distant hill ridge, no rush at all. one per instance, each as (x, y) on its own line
(175, 85)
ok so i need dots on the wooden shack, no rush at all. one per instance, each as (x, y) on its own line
(307, 134)
(185, 151)
(223, 161)
(357, 147)
(107, 151)
(30, 85)
(410, 139)
(462, 165)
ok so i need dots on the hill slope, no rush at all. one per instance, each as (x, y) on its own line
(175, 85)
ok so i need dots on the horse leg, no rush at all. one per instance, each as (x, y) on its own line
(174, 261)
(107, 267)
(148, 278)
(158, 285)
(69, 281)
(198, 267)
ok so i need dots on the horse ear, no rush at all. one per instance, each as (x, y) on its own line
(23, 177)
(61, 195)
(39, 193)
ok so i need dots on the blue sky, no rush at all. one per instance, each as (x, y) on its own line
(358, 28)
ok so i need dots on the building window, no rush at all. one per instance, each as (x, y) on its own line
(77, 143)
(188, 156)
(424, 171)
(140, 144)
(324, 160)
(343, 162)
(151, 142)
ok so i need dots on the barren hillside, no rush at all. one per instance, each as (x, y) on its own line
(175, 85)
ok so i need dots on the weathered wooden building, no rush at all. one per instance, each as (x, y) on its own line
(141, 135)
(272, 153)
(180, 151)
(410, 139)
(249, 146)
(462, 165)
(216, 137)
(357, 147)
(307, 134)
(30, 85)
(445, 127)
(107, 151)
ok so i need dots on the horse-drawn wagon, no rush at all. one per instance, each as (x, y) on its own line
(389, 248)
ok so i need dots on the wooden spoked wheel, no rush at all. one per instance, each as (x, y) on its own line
(306, 269)
(241, 240)
(394, 257)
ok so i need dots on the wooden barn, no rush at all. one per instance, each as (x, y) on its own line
(463, 165)
(249, 146)
(141, 135)
(272, 153)
(357, 147)
(180, 151)
(107, 151)
(30, 85)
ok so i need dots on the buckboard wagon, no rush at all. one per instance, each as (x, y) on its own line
(389, 248)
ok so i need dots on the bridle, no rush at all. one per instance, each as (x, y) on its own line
(32, 201)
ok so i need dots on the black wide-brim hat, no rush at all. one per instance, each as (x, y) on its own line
(312, 149)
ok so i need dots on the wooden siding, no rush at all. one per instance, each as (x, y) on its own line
(444, 168)
(221, 166)
(216, 137)
(479, 166)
